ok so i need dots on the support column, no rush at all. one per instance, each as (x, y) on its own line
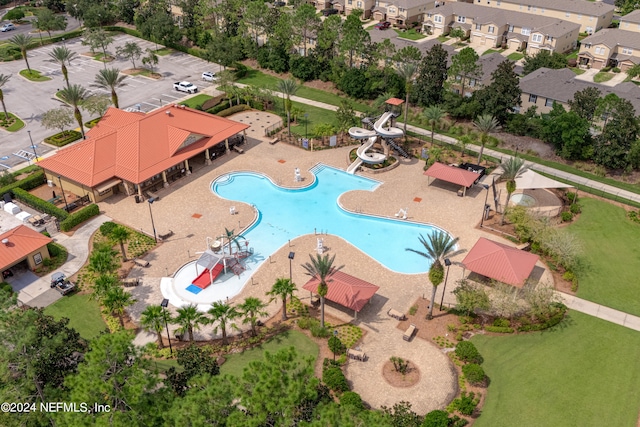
(140, 192)
(186, 167)
(226, 145)
(164, 178)
(207, 160)
(127, 189)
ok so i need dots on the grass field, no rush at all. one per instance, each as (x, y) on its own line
(515, 56)
(236, 363)
(577, 70)
(410, 35)
(317, 116)
(611, 250)
(582, 373)
(602, 77)
(193, 102)
(84, 314)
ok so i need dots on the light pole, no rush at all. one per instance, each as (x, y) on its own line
(66, 206)
(33, 147)
(291, 256)
(447, 262)
(164, 304)
(484, 207)
(153, 225)
(306, 124)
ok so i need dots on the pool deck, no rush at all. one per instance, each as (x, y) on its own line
(193, 212)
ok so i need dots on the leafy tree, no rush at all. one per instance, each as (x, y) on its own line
(57, 118)
(346, 115)
(151, 60)
(74, 95)
(633, 71)
(327, 38)
(61, 55)
(96, 105)
(254, 19)
(467, 352)
(4, 79)
(353, 82)
(22, 41)
(130, 51)
(434, 115)
(401, 415)
(223, 314)
(335, 345)
(282, 288)
(288, 88)
(110, 79)
(585, 103)
(251, 309)
(207, 401)
(620, 131)
(458, 33)
(321, 268)
(543, 58)
(568, 132)
(116, 300)
(97, 15)
(429, 87)
(503, 93)
(305, 23)
(54, 5)
(47, 21)
(512, 168)
(486, 124)
(97, 38)
(354, 39)
(153, 320)
(407, 70)
(464, 67)
(386, 51)
(14, 14)
(126, 9)
(156, 23)
(408, 54)
(189, 318)
(470, 298)
(195, 362)
(437, 246)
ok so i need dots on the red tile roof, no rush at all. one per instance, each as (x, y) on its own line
(22, 240)
(394, 101)
(135, 147)
(452, 174)
(500, 262)
(345, 290)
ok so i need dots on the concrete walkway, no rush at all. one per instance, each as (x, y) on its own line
(601, 312)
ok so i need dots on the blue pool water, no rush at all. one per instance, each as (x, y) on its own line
(288, 213)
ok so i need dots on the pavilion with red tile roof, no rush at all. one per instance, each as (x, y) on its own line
(346, 290)
(452, 174)
(131, 152)
(20, 244)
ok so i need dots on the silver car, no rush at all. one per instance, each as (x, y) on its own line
(7, 27)
(209, 76)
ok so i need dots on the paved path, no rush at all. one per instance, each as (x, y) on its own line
(601, 312)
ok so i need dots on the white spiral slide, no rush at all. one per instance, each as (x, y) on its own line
(372, 136)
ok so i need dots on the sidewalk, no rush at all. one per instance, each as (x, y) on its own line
(601, 312)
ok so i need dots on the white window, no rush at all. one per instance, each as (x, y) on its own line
(478, 27)
(533, 98)
(543, 10)
(639, 26)
(472, 82)
(458, 78)
(589, 30)
(437, 18)
(627, 51)
(525, 31)
(429, 15)
(359, 5)
(550, 39)
(599, 51)
(511, 28)
(537, 38)
(491, 29)
(587, 46)
(392, 10)
(461, 19)
(535, 9)
(520, 7)
(548, 102)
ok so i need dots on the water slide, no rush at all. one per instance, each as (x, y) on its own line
(205, 279)
(372, 136)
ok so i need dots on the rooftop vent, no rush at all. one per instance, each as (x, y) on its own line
(5, 242)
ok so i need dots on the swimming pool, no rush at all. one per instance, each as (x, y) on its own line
(288, 213)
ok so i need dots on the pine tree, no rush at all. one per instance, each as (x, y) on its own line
(429, 86)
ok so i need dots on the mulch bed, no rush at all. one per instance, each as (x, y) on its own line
(397, 379)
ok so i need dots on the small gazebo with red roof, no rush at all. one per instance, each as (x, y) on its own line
(452, 174)
(346, 290)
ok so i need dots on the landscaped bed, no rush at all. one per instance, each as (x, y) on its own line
(11, 123)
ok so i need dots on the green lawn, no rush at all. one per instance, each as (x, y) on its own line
(577, 70)
(611, 250)
(515, 56)
(163, 51)
(490, 51)
(193, 102)
(603, 77)
(34, 76)
(573, 54)
(584, 372)
(84, 314)
(317, 116)
(412, 34)
(236, 363)
(443, 39)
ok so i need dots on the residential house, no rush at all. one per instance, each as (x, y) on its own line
(489, 64)
(631, 21)
(611, 47)
(136, 153)
(592, 16)
(544, 86)
(484, 26)
(402, 13)
(348, 6)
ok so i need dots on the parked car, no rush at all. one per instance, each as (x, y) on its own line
(61, 283)
(185, 87)
(279, 4)
(7, 27)
(209, 76)
(383, 25)
(328, 12)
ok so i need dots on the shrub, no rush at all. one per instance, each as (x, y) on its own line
(232, 110)
(575, 208)
(466, 403)
(501, 322)
(63, 138)
(14, 14)
(437, 418)
(29, 183)
(6, 287)
(413, 310)
(566, 216)
(39, 204)
(474, 374)
(615, 69)
(605, 69)
(351, 398)
(569, 276)
(467, 352)
(220, 107)
(499, 329)
(572, 63)
(92, 123)
(571, 197)
(107, 228)
(79, 217)
(318, 331)
(334, 379)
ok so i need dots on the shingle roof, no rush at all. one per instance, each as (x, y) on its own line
(612, 37)
(21, 241)
(135, 147)
(576, 6)
(633, 17)
(489, 64)
(346, 290)
(561, 85)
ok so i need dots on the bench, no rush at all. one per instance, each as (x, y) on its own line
(274, 141)
(524, 246)
(128, 283)
(141, 262)
(238, 149)
(151, 194)
(54, 200)
(408, 334)
(356, 354)
(396, 314)
(165, 236)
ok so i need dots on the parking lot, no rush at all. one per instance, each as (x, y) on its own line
(29, 100)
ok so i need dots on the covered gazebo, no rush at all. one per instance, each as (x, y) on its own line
(346, 290)
(500, 262)
(452, 174)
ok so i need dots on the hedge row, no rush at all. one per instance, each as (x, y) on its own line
(79, 217)
(552, 321)
(63, 138)
(220, 107)
(29, 183)
(499, 329)
(232, 110)
(39, 204)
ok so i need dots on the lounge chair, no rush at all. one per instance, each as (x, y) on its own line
(130, 282)
(408, 334)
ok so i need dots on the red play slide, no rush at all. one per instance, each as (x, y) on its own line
(202, 281)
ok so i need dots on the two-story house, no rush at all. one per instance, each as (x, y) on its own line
(403, 13)
(610, 47)
(631, 21)
(592, 16)
(348, 6)
(486, 26)
(488, 63)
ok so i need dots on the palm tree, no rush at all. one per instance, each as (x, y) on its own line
(152, 320)
(74, 95)
(437, 246)
(321, 268)
(407, 71)
(110, 79)
(486, 124)
(250, 310)
(61, 55)
(120, 234)
(22, 41)
(283, 288)
(102, 284)
(116, 300)
(4, 78)
(512, 168)
(223, 314)
(102, 260)
(288, 88)
(189, 318)
(434, 114)
(232, 237)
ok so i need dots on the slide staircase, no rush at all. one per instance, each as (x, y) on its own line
(399, 149)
